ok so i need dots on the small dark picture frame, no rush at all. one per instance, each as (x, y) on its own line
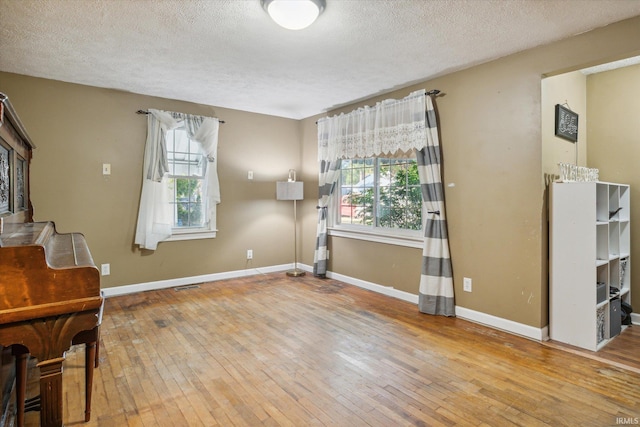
(566, 123)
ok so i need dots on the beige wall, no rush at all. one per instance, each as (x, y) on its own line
(570, 89)
(491, 124)
(77, 128)
(614, 143)
(491, 128)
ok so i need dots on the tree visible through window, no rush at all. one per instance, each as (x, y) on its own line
(187, 168)
(381, 193)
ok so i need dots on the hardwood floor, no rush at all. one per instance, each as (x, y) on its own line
(277, 351)
(623, 351)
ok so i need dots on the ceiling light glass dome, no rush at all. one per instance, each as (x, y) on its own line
(294, 14)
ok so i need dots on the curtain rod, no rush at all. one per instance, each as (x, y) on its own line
(433, 92)
(146, 112)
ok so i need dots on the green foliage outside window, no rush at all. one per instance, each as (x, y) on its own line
(399, 198)
(401, 203)
(188, 196)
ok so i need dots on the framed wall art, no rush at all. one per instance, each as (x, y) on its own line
(566, 123)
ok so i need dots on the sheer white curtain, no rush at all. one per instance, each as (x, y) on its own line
(390, 127)
(155, 215)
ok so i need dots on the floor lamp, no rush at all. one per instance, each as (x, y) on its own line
(292, 190)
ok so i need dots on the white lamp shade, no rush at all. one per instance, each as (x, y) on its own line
(289, 190)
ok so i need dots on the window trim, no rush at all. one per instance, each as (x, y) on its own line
(412, 239)
(191, 234)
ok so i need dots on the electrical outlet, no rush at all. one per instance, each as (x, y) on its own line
(466, 284)
(106, 269)
(249, 253)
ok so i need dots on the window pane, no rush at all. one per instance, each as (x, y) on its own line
(188, 215)
(194, 147)
(170, 149)
(381, 192)
(197, 163)
(170, 141)
(187, 169)
(182, 141)
(181, 168)
(188, 206)
(357, 191)
(403, 198)
(184, 155)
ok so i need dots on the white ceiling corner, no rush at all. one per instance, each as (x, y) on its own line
(228, 53)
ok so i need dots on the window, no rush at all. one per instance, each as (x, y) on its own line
(379, 196)
(187, 184)
(180, 187)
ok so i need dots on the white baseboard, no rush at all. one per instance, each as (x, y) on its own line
(635, 318)
(183, 281)
(385, 290)
(538, 334)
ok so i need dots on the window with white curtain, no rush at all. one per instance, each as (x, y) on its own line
(180, 188)
(380, 197)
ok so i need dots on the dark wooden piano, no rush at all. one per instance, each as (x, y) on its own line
(49, 284)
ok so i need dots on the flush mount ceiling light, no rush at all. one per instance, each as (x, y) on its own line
(294, 14)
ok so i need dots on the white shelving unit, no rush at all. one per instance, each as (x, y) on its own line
(589, 246)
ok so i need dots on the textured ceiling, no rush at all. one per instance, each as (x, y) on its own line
(228, 53)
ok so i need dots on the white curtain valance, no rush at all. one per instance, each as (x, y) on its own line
(391, 126)
(203, 130)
